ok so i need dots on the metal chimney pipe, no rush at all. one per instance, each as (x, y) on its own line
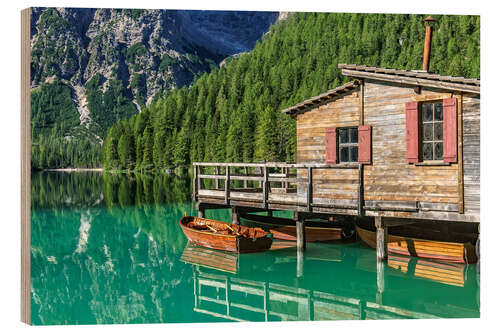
(428, 38)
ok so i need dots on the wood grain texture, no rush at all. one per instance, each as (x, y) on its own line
(408, 246)
(389, 177)
(471, 153)
(232, 238)
(25, 167)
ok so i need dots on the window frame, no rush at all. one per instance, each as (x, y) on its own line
(349, 144)
(421, 125)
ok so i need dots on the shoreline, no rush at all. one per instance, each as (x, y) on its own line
(74, 169)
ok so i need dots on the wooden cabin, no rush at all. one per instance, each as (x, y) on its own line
(400, 144)
(392, 146)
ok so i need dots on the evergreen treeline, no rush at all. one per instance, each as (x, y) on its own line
(57, 140)
(55, 152)
(233, 113)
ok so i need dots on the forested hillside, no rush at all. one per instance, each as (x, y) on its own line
(233, 113)
(91, 67)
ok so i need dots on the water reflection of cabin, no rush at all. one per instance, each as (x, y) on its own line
(238, 287)
(240, 298)
(396, 145)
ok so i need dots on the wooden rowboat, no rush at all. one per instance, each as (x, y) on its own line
(313, 234)
(224, 236)
(446, 251)
(282, 231)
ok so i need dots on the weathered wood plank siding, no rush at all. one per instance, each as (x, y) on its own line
(471, 153)
(389, 177)
(327, 183)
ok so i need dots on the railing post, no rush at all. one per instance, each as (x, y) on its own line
(262, 174)
(265, 185)
(217, 179)
(245, 182)
(282, 170)
(195, 176)
(199, 178)
(286, 178)
(309, 188)
(227, 185)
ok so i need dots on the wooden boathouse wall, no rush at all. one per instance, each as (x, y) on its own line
(439, 191)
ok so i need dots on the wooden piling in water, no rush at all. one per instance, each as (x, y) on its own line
(381, 239)
(235, 216)
(301, 233)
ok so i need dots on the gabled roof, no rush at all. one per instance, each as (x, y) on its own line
(320, 99)
(418, 78)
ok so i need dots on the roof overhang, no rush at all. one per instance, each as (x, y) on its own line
(417, 78)
(322, 99)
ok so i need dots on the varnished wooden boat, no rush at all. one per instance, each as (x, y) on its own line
(289, 232)
(313, 234)
(422, 248)
(224, 236)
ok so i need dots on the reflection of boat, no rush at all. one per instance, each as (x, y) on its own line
(446, 273)
(223, 261)
(224, 236)
(462, 252)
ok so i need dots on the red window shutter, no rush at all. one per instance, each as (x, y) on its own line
(412, 140)
(331, 145)
(450, 130)
(364, 144)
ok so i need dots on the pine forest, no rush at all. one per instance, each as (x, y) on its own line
(233, 113)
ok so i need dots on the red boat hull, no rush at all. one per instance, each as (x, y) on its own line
(225, 242)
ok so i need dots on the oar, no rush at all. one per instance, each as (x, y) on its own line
(237, 234)
(213, 229)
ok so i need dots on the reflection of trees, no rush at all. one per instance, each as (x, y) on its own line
(56, 189)
(110, 262)
(123, 274)
(145, 189)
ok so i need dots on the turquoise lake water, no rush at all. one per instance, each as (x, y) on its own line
(108, 249)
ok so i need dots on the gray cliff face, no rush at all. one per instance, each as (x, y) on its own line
(149, 51)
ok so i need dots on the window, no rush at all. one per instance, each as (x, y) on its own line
(353, 144)
(432, 129)
(348, 144)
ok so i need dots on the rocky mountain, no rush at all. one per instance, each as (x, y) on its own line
(115, 61)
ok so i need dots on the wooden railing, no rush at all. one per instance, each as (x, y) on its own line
(273, 183)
